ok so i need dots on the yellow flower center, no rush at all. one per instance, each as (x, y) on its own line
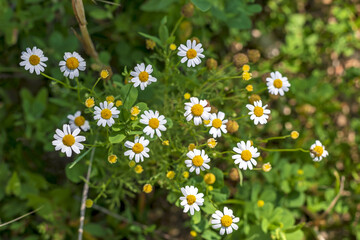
(147, 188)
(197, 110)
(72, 63)
(112, 159)
(197, 161)
(191, 53)
(260, 203)
(89, 102)
(106, 113)
(318, 150)
(258, 111)
(68, 140)
(104, 73)
(34, 60)
(138, 148)
(226, 221)
(246, 155)
(278, 83)
(79, 121)
(144, 76)
(135, 111)
(191, 199)
(216, 123)
(154, 123)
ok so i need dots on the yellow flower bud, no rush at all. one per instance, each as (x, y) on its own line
(135, 111)
(147, 188)
(187, 96)
(191, 146)
(172, 47)
(209, 178)
(294, 134)
(249, 88)
(300, 172)
(193, 233)
(254, 98)
(132, 163)
(165, 143)
(260, 203)
(110, 99)
(139, 169)
(150, 44)
(90, 102)
(186, 174)
(246, 68)
(89, 203)
(170, 174)
(211, 143)
(266, 167)
(112, 159)
(118, 103)
(246, 76)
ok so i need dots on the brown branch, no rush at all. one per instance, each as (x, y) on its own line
(16, 219)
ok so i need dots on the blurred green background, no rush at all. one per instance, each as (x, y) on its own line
(315, 43)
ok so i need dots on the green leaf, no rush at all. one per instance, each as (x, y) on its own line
(169, 122)
(117, 138)
(79, 158)
(203, 5)
(294, 229)
(208, 207)
(172, 197)
(14, 185)
(76, 173)
(129, 93)
(163, 34)
(155, 39)
(100, 14)
(197, 217)
(253, 8)
(156, 5)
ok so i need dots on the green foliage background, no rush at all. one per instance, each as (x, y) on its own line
(314, 43)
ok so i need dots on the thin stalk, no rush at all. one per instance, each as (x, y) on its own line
(284, 150)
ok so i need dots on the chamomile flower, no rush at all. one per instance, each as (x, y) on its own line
(191, 53)
(197, 109)
(225, 220)
(258, 112)
(105, 114)
(72, 64)
(198, 160)
(68, 141)
(154, 121)
(33, 60)
(138, 149)
(277, 84)
(78, 121)
(246, 155)
(191, 199)
(317, 151)
(217, 124)
(141, 76)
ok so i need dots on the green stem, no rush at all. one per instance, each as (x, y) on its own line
(274, 138)
(57, 81)
(127, 94)
(176, 25)
(78, 88)
(284, 150)
(97, 81)
(233, 201)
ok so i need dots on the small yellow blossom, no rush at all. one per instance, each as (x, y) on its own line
(209, 178)
(170, 174)
(191, 146)
(246, 76)
(193, 233)
(139, 169)
(133, 118)
(150, 44)
(118, 103)
(104, 74)
(249, 88)
(187, 96)
(232, 126)
(135, 111)
(294, 134)
(246, 68)
(252, 143)
(89, 203)
(260, 203)
(211, 142)
(266, 167)
(132, 164)
(186, 174)
(90, 102)
(206, 122)
(147, 188)
(172, 47)
(300, 172)
(165, 143)
(110, 99)
(112, 159)
(210, 188)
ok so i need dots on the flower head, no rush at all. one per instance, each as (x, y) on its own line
(191, 53)
(246, 68)
(134, 111)
(78, 121)
(209, 178)
(141, 76)
(217, 124)
(246, 76)
(118, 103)
(225, 220)
(154, 121)
(198, 110)
(112, 158)
(68, 141)
(172, 47)
(266, 167)
(89, 102)
(138, 149)
(211, 142)
(260, 203)
(170, 174)
(246, 155)
(277, 84)
(147, 188)
(72, 64)
(186, 174)
(89, 203)
(139, 169)
(110, 99)
(187, 96)
(191, 199)
(198, 160)
(33, 60)
(258, 112)
(317, 151)
(294, 134)
(105, 114)
(249, 88)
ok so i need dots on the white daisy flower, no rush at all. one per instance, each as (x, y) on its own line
(33, 60)
(198, 160)
(78, 121)
(106, 113)
(142, 76)
(154, 122)
(217, 124)
(246, 155)
(191, 199)
(197, 109)
(258, 112)
(317, 151)
(192, 53)
(68, 141)
(72, 64)
(225, 221)
(138, 149)
(277, 84)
